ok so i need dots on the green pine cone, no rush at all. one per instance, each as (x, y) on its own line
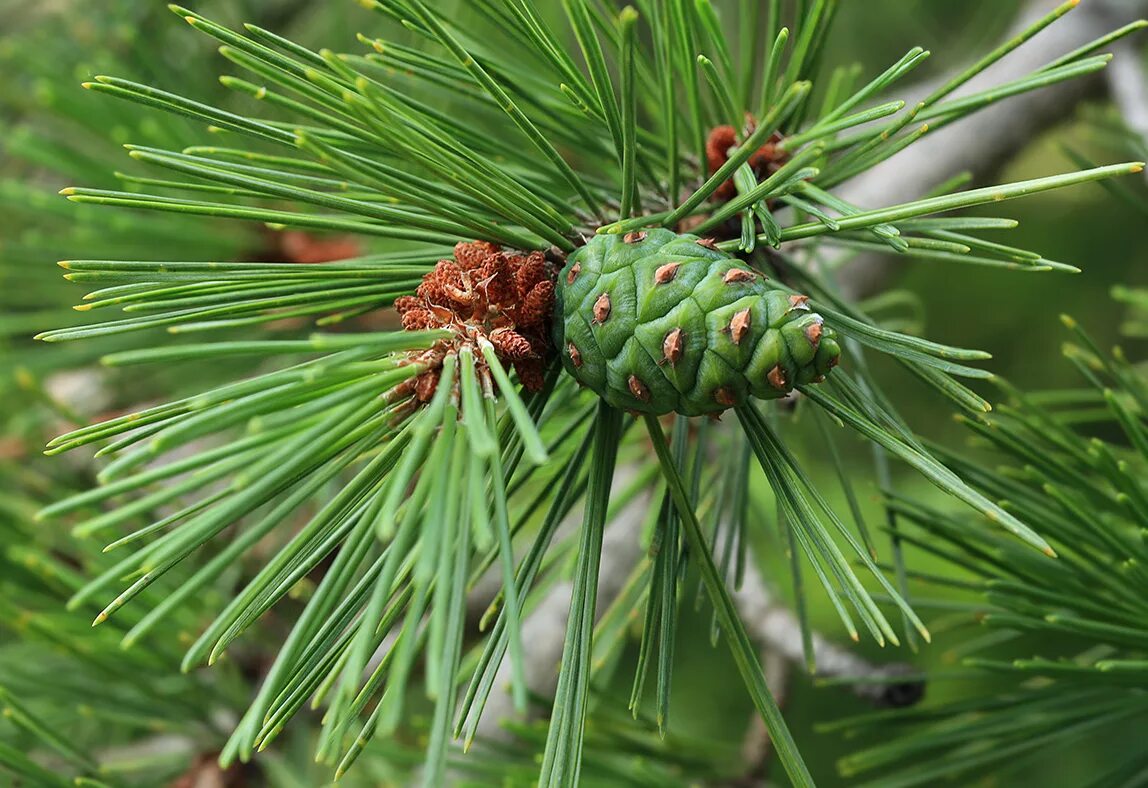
(658, 322)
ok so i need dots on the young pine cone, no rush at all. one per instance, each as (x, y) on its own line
(657, 322)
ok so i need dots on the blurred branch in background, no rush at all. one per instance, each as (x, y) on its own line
(775, 628)
(544, 629)
(757, 749)
(1128, 83)
(770, 624)
(984, 142)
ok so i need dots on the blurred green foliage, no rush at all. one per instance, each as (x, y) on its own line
(50, 49)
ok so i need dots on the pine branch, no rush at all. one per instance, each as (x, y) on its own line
(928, 163)
(1083, 616)
(398, 466)
(777, 630)
(984, 142)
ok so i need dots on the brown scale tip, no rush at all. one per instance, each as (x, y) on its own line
(602, 308)
(724, 397)
(638, 389)
(813, 333)
(634, 238)
(799, 302)
(739, 326)
(666, 273)
(573, 273)
(672, 347)
(708, 243)
(737, 276)
(575, 355)
(777, 378)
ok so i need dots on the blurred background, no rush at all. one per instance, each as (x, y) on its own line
(54, 134)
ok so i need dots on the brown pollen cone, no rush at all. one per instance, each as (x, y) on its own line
(486, 294)
(765, 161)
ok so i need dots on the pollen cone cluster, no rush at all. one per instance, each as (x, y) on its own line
(483, 295)
(657, 322)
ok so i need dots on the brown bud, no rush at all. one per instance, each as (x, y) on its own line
(572, 274)
(634, 238)
(639, 389)
(666, 273)
(718, 146)
(575, 355)
(739, 326)
(724, 397)
(777, 378)
(602, 308)
(738, 276)
(672, 347)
